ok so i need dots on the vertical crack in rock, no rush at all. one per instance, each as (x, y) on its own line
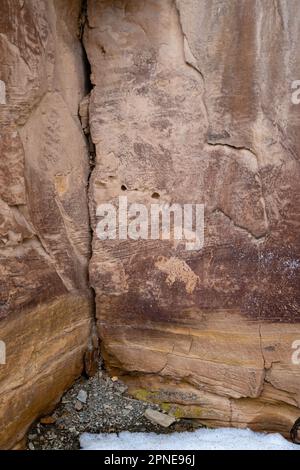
(91, 357)
(190, 61)
(45, 297)
(264, 370)
(152, 111)
(267, 366)
(211, 138)
(279, 12)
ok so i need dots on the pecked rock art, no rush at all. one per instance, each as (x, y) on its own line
(182, 102)
(192, 102)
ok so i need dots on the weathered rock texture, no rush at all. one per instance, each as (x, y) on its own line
(192, 104)
(45, 303)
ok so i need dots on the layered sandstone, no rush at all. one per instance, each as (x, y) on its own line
(45, 301)
(192, 104)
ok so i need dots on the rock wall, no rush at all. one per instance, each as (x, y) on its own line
(192, 104)
(45, 301)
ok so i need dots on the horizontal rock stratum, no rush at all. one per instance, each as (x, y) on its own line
(191, 103)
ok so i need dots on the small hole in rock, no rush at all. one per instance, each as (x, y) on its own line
(123, 187)
(155, 195)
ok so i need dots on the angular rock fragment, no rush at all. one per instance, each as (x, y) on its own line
(159, 418)
(82, 396)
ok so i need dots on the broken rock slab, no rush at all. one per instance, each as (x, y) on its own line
(162, 419)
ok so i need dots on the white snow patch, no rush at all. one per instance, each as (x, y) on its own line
(202, 439)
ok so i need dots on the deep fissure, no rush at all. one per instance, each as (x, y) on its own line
(92, 355)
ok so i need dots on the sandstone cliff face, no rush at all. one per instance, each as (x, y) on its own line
(192, 104)
(45, 302)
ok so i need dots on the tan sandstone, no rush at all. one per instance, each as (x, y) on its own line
(192, 104)
(45, 301)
